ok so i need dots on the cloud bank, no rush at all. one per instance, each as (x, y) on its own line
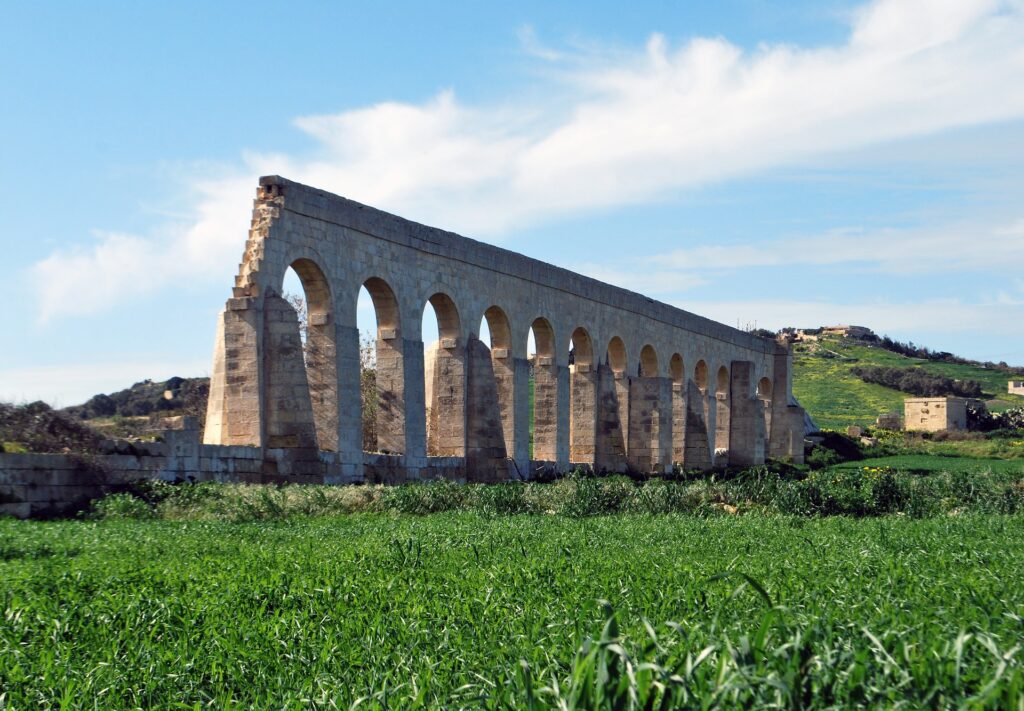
(624, 128)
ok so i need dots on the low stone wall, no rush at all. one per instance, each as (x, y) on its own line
(49, 485)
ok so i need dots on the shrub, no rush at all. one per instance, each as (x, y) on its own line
(917, 381)
(122, 505)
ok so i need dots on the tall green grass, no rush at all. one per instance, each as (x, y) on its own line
(912, 485)
(463, 610)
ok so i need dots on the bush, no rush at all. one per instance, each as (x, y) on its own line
(122, 505)
(918, 382)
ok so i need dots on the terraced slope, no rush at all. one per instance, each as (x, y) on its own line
(836, 398)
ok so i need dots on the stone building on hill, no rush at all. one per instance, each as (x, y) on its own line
(935, 414)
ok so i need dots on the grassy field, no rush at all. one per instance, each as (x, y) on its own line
(465, 610)
(836, 398)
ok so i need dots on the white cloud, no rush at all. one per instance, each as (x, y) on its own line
(945, 248)
(613, 129)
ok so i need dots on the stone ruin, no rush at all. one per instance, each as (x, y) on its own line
(620, 381)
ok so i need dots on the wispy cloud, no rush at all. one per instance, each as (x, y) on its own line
(619, 128)
(943, 248)
(937, 316)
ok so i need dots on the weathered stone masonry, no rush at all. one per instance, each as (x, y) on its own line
(648, 385)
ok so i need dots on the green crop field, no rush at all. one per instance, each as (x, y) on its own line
(836, 398)
(472, 607)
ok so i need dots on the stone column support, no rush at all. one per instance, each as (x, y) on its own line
(583, 414)
(415, 429)
(545, 409)
(350, 411)
(445, 364)
(746, 419)
(392, 390)
(521, 416)
(697, 454)
(234, 412)
(609, 445)
(562, 417)
(678, 421)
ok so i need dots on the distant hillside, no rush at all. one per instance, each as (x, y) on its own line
(175, 396)
(823, 382)
(835, 397)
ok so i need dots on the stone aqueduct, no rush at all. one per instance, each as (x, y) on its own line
(645, 385)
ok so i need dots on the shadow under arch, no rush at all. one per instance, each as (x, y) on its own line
(384, 414)
(648, 362)
(444, 369)
(311, 331)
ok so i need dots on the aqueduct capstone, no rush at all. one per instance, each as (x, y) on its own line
(617, 380)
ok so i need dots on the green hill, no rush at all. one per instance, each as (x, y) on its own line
(836, 398)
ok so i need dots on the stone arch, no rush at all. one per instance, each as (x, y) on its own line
(722, 381)
(385, 306)
(320, 351)
(582, 399)
(300, 363)
(616, 355)
(386, 417)
(444, 369)
(543, 337)
(449, 325)
(500, 329)
(648, 362)
(582, 347)
(700, 375)
(676, 368)
(764, 389)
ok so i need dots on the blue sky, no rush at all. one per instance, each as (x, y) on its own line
(758, 162)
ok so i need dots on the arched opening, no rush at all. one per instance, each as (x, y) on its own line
(582, 398)
(723, 411)
(700, 375)
(581, 349)
(764, 389)
(648, 362)
(496, 333)
(677, 370)
(305, 288)
(544, 393)
(616, 355)
(382, 384)
(722, 381)
(444, 370)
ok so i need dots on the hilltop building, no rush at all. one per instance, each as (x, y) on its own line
(934, 414)
(847, 331)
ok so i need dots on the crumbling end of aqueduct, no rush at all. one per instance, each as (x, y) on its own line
(646, 386)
